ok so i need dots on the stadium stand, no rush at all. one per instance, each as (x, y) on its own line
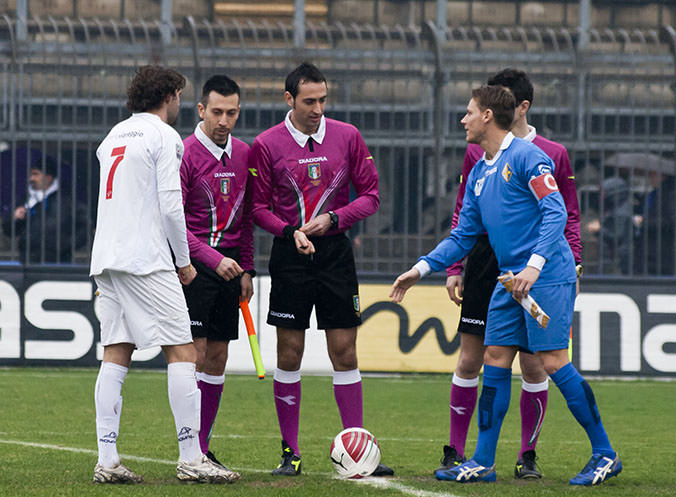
(402, 84)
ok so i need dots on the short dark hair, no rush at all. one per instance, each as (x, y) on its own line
(51, 167)
(499, 100)
(304, 73)
(151, 85)
(221, 84)
(517, 82)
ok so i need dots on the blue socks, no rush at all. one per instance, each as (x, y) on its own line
(581, 402)
(493, 405)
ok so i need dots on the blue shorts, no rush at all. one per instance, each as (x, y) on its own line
(509, 324)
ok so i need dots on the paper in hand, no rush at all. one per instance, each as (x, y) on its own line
(527, 303)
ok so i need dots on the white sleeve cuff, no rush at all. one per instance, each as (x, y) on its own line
(536, 261)
(423, 268)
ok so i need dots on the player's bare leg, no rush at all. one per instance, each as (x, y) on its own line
(108, 402)
(347, 386)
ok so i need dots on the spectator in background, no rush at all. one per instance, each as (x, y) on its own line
(50, 224)
(614, 227)
(655, 240)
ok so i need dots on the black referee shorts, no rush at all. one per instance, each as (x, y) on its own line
(213, 303)
(327, 281)
(481, 275)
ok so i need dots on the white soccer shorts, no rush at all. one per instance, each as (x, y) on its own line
(147, 310)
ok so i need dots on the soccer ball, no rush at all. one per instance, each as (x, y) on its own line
(355, 453)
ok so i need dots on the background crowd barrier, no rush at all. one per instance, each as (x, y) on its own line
(610, 102)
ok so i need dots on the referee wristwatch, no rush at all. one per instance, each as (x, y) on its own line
(334, 219)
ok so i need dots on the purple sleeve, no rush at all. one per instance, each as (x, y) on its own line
(246, 248)
(563, 174)
(471, 158)
(261, 201)
(365, 180)
(198, 249)
(203, 252)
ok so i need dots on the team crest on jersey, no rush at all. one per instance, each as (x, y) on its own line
(507, 173)
(225, 186)
(355, 304)
(478, 186)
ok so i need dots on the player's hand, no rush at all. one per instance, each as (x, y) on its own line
(20, 213)
(303, 244)
(186, 274)
(403, 283)
(228, 269)
(524, 281)
(318, 226)
(454, 288)
(246, 285)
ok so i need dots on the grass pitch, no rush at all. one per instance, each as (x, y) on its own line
(48, 441)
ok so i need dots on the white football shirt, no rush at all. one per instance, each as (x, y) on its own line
(140, 157)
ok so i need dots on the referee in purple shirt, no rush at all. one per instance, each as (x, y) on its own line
(302, 171)
(215, 180)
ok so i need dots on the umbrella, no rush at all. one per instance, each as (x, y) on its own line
(641, 162)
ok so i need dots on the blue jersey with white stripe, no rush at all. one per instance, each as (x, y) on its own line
(515, 199)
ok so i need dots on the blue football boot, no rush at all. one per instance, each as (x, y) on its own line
(467, 472)
(598, 469)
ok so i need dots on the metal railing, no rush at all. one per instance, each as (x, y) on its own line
(405, 88)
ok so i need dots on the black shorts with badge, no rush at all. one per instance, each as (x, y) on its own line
(481, 275)
(327, 280)
(213, 303)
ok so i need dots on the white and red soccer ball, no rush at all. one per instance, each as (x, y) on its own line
(355, 453)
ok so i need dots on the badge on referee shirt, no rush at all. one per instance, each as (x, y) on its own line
(314, 171)
(225, 186)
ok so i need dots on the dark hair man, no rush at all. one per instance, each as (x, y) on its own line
(301, 194)
(214, 179)
(140, 222)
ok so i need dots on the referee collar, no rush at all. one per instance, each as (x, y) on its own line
(506, 142)
(208, 143)
(532, 133)
(301, 138)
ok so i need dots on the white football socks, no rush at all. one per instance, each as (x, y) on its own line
(185, 402)
(108, 404)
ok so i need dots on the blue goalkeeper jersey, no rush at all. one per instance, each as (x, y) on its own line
(515, 199)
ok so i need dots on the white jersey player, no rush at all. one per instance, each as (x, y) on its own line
(141, 304)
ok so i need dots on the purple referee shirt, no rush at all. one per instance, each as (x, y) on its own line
(297, 177)
(563, 174)
(215, 199)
